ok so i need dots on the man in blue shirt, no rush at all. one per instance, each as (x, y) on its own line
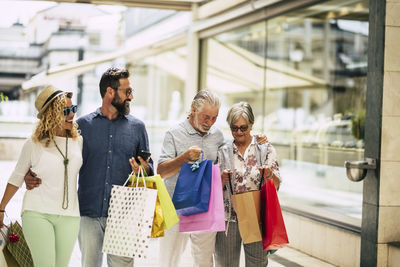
(111, 140)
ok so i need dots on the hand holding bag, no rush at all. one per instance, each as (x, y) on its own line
(157, 229)
(170, 217)
(164, 214)
(192, 191)
(212, 220)
(130, 219)
(273, 227)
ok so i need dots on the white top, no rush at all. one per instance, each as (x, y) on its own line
(48, 164)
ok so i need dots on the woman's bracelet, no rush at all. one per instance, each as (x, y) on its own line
(2, 210)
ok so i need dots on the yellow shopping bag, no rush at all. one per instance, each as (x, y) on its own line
(169, 215)
(157, 229)
(168, 208)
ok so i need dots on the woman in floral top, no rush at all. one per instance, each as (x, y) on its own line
(244, 159)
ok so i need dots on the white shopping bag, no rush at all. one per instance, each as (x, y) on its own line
(129, 221)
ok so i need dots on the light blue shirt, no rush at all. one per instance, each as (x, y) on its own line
(180, 138)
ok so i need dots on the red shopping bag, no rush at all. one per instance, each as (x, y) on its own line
(273, 227)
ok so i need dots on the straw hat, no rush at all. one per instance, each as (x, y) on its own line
(45, 97)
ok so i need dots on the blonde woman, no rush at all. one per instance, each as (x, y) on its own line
(50, 213)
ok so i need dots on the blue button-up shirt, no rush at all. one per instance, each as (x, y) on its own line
(107, 147)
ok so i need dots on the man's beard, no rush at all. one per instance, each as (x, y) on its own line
(120, 106)
(201, 128)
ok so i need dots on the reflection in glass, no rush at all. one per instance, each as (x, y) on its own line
(304, 73)
(159, 82)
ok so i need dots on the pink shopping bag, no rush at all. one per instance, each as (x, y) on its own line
(214, 219)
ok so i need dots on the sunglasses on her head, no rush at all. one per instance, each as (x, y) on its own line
(68, 110)
(242, 128)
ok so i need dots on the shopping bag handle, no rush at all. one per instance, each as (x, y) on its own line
(140, 174)
(263, 178)
(129, 176)
(6, 238)
(196, 164)
(230, 183)
(7, 227)
(142, 171)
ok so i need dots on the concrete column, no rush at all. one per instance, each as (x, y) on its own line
(373, 134)
(193, 47)
(381, 203)
(389, 185)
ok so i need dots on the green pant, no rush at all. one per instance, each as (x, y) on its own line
(50, 237)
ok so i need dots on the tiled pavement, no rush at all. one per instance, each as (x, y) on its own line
(287, 257)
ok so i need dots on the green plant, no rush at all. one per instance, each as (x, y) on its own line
(3, 97)
(358, 125)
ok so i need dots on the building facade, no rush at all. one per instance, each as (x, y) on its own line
(321, 77)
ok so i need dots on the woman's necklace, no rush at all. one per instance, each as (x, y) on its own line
(65, 197)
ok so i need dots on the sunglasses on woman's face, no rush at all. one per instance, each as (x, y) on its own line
(242, 128)
(68, 110)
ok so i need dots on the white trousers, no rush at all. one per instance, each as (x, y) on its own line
(173, 244)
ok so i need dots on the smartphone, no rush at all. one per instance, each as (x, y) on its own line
(143, 154)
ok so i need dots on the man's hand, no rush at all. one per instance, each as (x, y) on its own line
(192, 154)
(135, 165)
(31, 180)
(170, 167)
(261, 139)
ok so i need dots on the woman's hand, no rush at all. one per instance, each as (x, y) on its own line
(8, 194)
(268, 174)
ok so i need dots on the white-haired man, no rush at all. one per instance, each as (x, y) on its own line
(184, 143)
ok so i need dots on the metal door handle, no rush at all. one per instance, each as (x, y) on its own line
(357, 170)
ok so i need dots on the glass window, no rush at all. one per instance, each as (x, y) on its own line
(159, 84)
(304, 73)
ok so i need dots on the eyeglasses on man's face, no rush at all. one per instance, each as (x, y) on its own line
(68, 110)
(128, 91)
(242, 128)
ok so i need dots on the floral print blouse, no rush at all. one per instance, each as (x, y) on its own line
(246, 176)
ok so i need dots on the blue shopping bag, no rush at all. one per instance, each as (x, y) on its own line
(192, 191)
